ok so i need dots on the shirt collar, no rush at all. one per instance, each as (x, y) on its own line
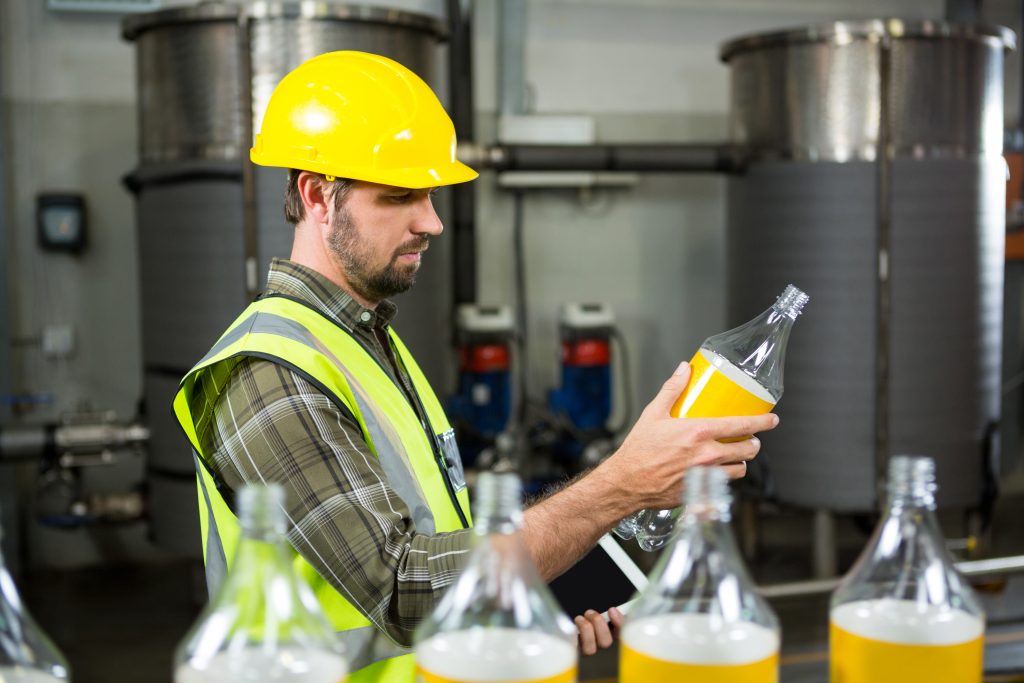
(313, 288)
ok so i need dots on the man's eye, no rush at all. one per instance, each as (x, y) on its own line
(400, 198)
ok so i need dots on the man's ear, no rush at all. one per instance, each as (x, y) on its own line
(314, 198)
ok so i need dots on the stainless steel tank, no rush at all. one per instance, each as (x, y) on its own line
(874, 181)
(208, 220)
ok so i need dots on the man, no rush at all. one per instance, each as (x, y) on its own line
(311, 388)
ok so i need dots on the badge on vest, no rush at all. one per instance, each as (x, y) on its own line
(452, 460)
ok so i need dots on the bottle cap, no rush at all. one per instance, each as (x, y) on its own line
(498, 500)
(912, 476)
(792, 301)
(261, 509)
(706, 489)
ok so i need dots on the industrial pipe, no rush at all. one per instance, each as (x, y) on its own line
(1013, 564)
(637, 158)
(460, 79)
(32, 442)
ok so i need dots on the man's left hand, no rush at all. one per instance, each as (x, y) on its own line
(595, 633)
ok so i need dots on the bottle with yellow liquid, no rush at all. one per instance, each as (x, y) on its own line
(264, 625)
(738, 372)
(498, 621)
(699, 619)
(27, 655)
(903, 613)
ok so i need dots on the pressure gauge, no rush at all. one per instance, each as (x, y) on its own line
(61, 222)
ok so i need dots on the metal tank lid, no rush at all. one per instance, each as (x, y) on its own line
(207, 11)
(843, 32)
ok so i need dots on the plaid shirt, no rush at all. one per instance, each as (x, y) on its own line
(268, 424)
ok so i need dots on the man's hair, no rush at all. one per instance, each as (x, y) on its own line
(295, 211)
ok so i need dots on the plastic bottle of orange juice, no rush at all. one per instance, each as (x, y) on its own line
(498, 621)
(699, 619)
(738, 372)
(903, 612)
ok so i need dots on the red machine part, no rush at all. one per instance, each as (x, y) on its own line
(586, 353)
(483, 358)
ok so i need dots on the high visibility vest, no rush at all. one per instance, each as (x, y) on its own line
(420, 460)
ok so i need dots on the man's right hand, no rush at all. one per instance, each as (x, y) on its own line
(646, 472)
(650, 464)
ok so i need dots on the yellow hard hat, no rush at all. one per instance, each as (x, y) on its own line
(361, 116)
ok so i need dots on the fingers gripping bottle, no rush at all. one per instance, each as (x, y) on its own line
(498, 621)
(264, 625)
(738, 372)
(26, 654)
(903, 612)
(699, 619)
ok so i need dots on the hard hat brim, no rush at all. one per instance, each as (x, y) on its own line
(412, 178)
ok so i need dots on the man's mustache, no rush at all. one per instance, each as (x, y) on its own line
(413, 246)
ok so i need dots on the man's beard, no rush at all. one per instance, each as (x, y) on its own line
(369, 283)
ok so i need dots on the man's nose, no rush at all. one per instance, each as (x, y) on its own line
(426, 221)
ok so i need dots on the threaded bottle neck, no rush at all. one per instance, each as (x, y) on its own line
(261, 511)
(498, 507)
(912, 481)
(706, 494)
(791, 302)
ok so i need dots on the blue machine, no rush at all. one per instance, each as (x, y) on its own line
(482, 405)
(584, 399)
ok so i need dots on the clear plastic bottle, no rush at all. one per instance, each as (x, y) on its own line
(903, 612)
(264, 625)
(498, 621)
(27, 655)
(699, 619)
(738, 372)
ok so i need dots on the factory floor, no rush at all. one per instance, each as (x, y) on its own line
(121, 624)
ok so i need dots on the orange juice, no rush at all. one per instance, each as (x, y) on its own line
(508, 655)
(892, 641)
(697, 648)
(717, 388)
(255, 666)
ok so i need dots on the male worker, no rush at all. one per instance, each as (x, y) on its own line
(311, 388)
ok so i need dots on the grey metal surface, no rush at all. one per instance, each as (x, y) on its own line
(22, 442)
(947, 299)
(189, 92)
(168, 450)
(191, 268)
(813, 225)
(174, 515)
(815, 93)
(191, 72)
(900, 351)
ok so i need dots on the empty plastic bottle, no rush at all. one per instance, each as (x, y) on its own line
(27, 655)
(903, 613)
(498, 621)
(699, 619)
(264, 624)
(738, 372)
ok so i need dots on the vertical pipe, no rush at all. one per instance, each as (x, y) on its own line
(460, 67)
(250, 233)
(511, 57)
(6, 317)
(883, 200)
(825, 565)
(965, 11)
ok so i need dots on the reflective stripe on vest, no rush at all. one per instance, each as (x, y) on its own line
(290, 333)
